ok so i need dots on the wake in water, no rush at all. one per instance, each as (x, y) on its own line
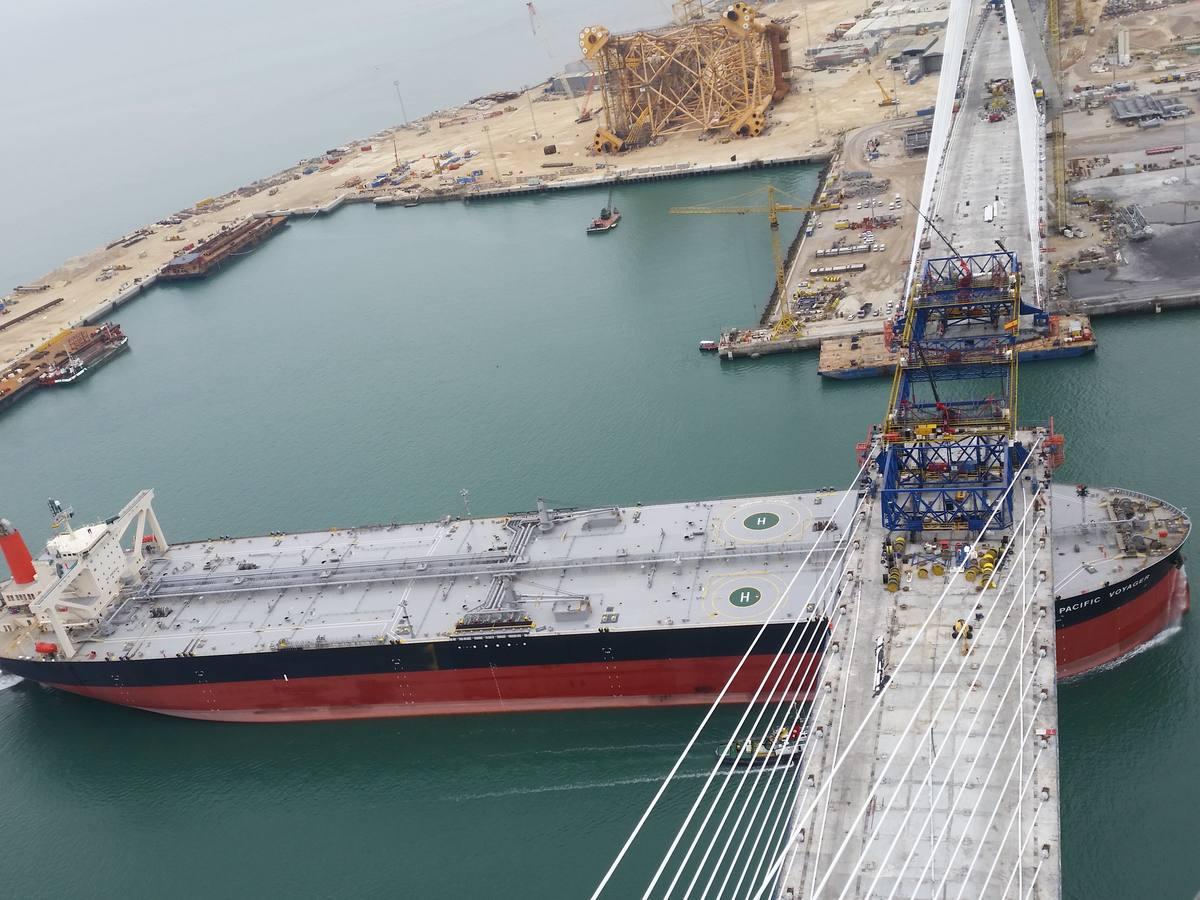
(573, 786)
(7, 681)
(1157, 641)
(562, 751)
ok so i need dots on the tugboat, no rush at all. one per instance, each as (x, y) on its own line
(608, 218)
(86, 353)
(72, 370)
(784, 749)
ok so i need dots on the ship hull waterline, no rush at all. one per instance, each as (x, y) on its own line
(410, 680)
(1094, 630)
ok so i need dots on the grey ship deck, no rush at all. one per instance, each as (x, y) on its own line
(1096, 543)
(620, 568)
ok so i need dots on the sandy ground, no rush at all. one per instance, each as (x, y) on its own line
(1093, 134)
(839, 101)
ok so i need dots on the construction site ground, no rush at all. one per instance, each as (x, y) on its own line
(1168, 193)
(882, 280)
(840, 100)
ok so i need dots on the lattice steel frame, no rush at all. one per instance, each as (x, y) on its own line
(947, 463)
(697, 77)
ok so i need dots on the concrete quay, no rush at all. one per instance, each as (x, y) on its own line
(498, 142)
(1123, 305)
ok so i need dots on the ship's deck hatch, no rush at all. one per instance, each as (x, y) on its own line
(574, 608)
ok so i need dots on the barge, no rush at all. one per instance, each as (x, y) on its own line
(229, 242)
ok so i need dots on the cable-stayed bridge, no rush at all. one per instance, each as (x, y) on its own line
(919, 758)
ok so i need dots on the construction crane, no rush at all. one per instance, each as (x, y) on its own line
(888, 99)
(1079, 24)
(585, 114)
(786, 323)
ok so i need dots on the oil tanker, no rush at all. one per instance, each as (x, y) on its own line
(551, 609)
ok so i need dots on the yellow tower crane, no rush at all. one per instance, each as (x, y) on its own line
(786, 322)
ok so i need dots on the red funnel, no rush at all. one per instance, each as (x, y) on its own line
(16, 554)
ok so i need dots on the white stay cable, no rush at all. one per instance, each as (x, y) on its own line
(662, 788)
(783, 707)
(919, 744)
(1012, 820)
(770, 821)
(1021, 852)
(783, 797)
(1033, 880)
(901, 785)
(851, 833)
(843, 542)
(959, 793)
(878, 700)
(992, 818)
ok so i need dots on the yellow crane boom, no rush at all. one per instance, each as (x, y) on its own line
(772, 208)
(888, 99)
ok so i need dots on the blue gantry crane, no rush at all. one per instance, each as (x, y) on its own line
(948, 449)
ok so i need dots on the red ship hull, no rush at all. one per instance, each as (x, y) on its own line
(1144, 612)
(636, 670)
(666, 682)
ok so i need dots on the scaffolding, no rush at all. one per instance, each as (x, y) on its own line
(704, 76)
(949, 458)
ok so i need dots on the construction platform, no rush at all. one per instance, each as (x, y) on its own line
(867, 355)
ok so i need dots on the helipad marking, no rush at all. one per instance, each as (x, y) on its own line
(746, 596)
(760, 521)
(765, 521)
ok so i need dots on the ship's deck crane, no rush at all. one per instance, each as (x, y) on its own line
(786, 323)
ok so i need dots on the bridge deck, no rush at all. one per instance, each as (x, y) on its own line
(981, 767)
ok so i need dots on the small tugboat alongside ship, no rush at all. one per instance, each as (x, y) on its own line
(63, 359)
(781, 750)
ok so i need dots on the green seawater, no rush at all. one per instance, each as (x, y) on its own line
(366, 367)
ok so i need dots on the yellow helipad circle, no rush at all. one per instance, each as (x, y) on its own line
(742, 595)
(762, 521)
